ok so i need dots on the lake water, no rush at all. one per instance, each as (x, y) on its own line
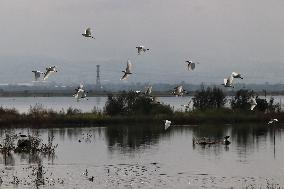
(22, 104)
(147, 156)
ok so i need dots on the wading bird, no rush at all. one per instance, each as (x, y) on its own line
(127, 70)
(37, 74)
(49, 71)
(141, 48)
(88, 33)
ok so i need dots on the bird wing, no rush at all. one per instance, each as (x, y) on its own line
(88, 32)
(192, 66)
(225, 81)
(47, 74)
(234, 74)
(124, 76)
(128, 67)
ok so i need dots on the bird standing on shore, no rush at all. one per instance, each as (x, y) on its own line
(49, 71)
(88, 33)
(127, 71)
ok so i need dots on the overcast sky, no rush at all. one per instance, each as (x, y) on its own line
(246, 36)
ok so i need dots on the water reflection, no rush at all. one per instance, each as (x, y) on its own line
(168, 156)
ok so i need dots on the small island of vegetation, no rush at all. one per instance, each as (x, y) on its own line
(209, 105)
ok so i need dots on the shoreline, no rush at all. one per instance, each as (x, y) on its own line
(58, 120)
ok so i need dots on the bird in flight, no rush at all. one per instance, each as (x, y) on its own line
(237, 75)
(127, 71)
(179, 91)
(191, 64)
(88, 33)
(80, 93)
(167, 124)
(141, 48)
(252, 103)
(49, 71)
(228, 82)
(37, 74)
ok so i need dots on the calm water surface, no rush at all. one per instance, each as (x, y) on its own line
(142, 156)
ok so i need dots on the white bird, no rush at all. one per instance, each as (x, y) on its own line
(37, 74)
(237, 75)
(228, 82)
(179, 91)
(148, 90)
(127, 70)
(88, 33)
(49, 71)
(167, 124)
(191, 64)
(141, 48)
(252, 103)
(272, 121)
(80, 93)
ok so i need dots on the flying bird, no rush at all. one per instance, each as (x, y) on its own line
(141, 48)
(88, 33)
(252, 103)
(191, 64)
(179, 91)
(127, 71)
(167, 124)
(272, 121)
(237, 75)
(49, 71)
(80, 93)
(37, 74)
(228, 82)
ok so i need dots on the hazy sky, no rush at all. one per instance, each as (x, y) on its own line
(224, 36)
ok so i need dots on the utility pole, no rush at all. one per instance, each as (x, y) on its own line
(98, 81)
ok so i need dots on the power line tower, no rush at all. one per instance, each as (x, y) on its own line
(98, 81)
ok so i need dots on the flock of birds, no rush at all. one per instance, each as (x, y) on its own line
(80, 92)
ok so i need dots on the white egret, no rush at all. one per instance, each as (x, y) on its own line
(141, 48)
(127, 70)
(252, 103)
(272, 121)
(237, 75)
(49, 71)
(88, 33)
(228, 82)
(37, 74)
(80, 93)
(167, 124)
